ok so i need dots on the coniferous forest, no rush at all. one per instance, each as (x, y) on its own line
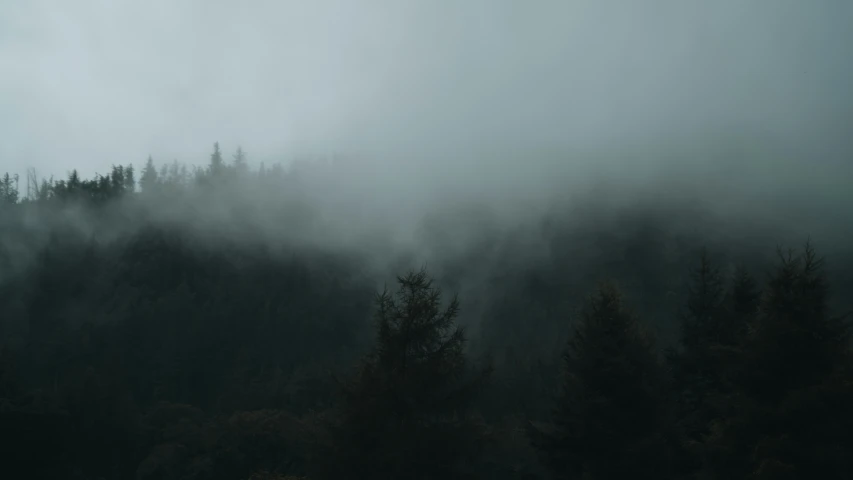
(201, 323)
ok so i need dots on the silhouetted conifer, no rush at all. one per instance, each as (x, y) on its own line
(148, 181)
(406, 413)
(240, 165)
(9, 189)
(612, 419)
(745, 295)
(217, 164)
(707, 327)
(790, 415)
(701, 320)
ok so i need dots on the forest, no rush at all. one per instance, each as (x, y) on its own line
(168, 322)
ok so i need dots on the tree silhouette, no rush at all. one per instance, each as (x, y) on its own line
(789, 415)
(240, 165)
(744, 296)
(612, 418)
(406, 413)
(9, 189)
(217, 164)
(148, 181)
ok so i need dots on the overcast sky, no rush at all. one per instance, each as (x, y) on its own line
(504, 85)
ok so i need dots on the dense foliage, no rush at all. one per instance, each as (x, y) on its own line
(196, 323)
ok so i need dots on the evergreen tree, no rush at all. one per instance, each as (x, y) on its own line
(693, 368)
(701, 321)
(148, 181)
(117, 181)
(710, 327)
(406, 412)
(789, 415)
(129, 179)
(9, 189)
(240, 165)
(742, 302)
(177, 174)
(217, 164)
(612, 419)
(745, 295)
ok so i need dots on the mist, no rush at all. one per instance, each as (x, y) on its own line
(486, 98)
(398, 115)
(192, 317)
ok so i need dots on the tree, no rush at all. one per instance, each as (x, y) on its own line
(240, 165)
(217, 164)
(406, 413)
(744, 296)
(700, 322)
(612, 419)
(789, 414)
(148, 181)
(129, 179)
(712, 324)
(695, 371)
(9, 189)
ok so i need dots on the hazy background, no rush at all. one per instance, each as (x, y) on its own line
(739, 101)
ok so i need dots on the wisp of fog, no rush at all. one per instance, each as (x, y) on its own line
(744, 107)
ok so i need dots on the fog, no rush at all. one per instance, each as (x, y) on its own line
(735, 104)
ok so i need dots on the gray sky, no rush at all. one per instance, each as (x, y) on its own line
(500, 91)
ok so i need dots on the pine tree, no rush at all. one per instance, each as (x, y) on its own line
(240, 165)
(129, 179)
(789, 415)
(148, 181)
(117, 180)
(612, 418)
(217, 164)
(9, 189)
(701, 321)
(745, 295)
(694, 366)
(406, 413)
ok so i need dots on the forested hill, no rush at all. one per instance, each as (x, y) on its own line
(225, 322)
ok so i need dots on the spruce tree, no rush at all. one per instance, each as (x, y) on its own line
(240, 165)
(129, 179)
(612, 419)
(148, 181)
(700, 322)
(217, 164)
(8, 189)
(406, 414)
(694, 369)
(744, 296)
(789, 415)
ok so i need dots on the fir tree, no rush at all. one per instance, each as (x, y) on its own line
(217, 164)
(612, 418)
(149, 178)
(707, 328)
(700, 322)
(9, 189)
(240, 165)
(406, 413)
(744, 295)
(129, 179)
(789, 415)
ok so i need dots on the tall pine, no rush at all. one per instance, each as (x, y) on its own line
(148, 180)
(217, 164)
(789, 415)
(406, 414)
(705, 326)
(241, 166)
(612, 419)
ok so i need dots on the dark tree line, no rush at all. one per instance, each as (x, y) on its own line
(152, 353)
